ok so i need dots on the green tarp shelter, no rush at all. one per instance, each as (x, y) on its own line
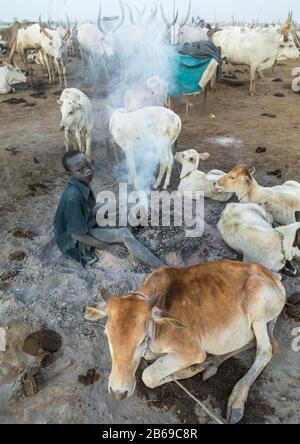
(185, 74)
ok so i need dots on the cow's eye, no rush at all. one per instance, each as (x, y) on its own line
(231, 177)
(71, 113)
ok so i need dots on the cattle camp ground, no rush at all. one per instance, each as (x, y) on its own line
(54, 363)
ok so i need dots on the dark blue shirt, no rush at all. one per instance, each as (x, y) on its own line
(74, 216)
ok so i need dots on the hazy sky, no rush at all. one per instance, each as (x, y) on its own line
(266, 10)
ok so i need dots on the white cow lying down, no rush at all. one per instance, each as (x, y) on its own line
(153, 129)
(282, 201)
(153, 93)
(194, 180)
(77, 119)
(10, 75)
(247, 229)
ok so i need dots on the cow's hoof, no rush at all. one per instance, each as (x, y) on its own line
(234, 416)
(210, 373)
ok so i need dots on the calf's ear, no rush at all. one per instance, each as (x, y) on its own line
(297, 215)
(204, 156)
(162, 317)
(94, 314)
(296, 244)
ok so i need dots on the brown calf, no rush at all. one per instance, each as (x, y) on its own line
(179, 316)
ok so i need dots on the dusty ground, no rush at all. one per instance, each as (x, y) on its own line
(46, 292)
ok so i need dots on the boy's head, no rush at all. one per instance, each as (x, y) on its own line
(79, 166)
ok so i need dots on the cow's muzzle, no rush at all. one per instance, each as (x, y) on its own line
(119, 396)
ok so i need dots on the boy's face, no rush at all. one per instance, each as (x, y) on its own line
(81, 168)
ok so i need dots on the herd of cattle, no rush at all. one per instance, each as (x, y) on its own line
(178, 317)
(123, 37)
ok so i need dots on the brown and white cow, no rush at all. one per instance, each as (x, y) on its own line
(282, 201)
(180, 316)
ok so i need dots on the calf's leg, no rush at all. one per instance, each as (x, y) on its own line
(67, 140)
(89, 145)
(169, 169)
(162, 371)
(210, 367)
(236, 404)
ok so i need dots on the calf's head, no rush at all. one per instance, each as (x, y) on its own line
(70, 111)
(130, 329)
(190, 161)
(237, 181)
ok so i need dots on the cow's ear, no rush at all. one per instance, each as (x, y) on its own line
(204, 156)
(162, 317)
(297, 240)
(94, 314)
(297, 215)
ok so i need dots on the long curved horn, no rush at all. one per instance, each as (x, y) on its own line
(12, 53)
(43, 29)
(68, 32)
(164, 16)
(184, 22)
(99, 19)
(168, 24)
(133, 22)
(122, 19)
(141, 14)
(153, 14)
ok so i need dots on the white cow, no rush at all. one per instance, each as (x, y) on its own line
(154, 93)
(257, 49)
(77, 119)
(153, 129)
(38, 37)
(10, 75)
(194, 180)
(96, 41)
(248, 229)
(282, 201)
